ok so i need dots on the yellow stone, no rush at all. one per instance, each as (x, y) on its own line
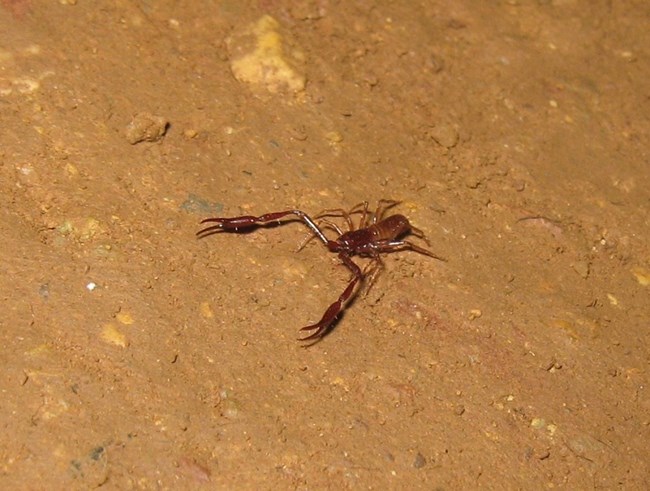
(259, 56)
(112, 335)
(206, 310)
(537, 423)
(124, 318)
(642, 275)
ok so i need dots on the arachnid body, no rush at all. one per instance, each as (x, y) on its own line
(375, 235)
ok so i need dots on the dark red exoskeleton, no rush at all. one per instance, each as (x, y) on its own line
(374, 235)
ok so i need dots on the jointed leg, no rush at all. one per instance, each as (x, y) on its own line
(336, 212)
(243, 222)
(363, 209)
(419, 234)
(321, 327)
(403, 245)
(322, 224)
(382, 206)
(347, 215)
(371, 271)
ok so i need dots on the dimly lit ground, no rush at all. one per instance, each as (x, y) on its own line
(135, 356)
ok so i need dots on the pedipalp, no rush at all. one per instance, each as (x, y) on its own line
(374, 236)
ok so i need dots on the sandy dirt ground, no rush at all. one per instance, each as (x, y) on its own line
(136, 356)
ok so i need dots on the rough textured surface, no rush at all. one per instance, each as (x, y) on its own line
(135, 356)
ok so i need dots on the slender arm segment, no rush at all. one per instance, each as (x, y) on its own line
(374, 235)
(237, 223)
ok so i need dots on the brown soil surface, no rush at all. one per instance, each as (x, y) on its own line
(136, 356)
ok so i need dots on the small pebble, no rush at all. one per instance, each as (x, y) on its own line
(146, 127)
(445, 135)
(582, 268)
(112, 335)
(190, 133)
(537, 423)
(44, 291)
(419, 461)
(642, 275)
